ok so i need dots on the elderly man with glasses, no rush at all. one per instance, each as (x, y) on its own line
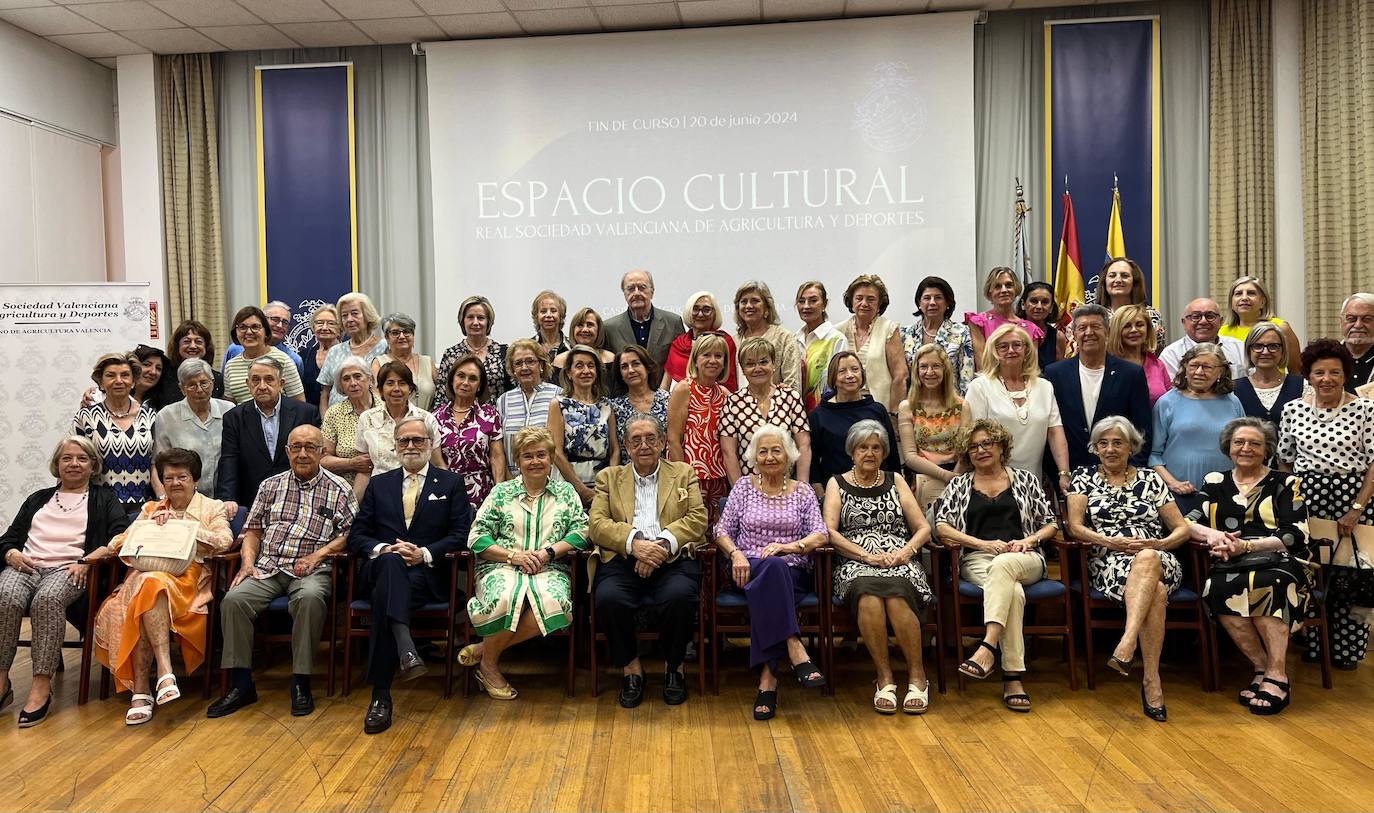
(1201, 325)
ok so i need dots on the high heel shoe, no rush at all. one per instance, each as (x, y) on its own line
(1160, 714)
(1118, 665)
(29, 719)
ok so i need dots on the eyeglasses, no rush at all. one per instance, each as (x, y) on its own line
(1267, 347)
(411, 441)
(1246, 443)
(1003, 347)
(703, 310)
(398, 332)
(197, 386)
(1202, 367)
(637, 442)
(297, 448)
(1211, 316)
(983, 445)
(279, 320)
(248, 328)
(525, 363)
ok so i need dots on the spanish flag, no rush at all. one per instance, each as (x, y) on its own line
(1116, 240)
(1068, 276)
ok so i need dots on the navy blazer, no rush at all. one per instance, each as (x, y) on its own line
(1124, 392)
(440, 523)
(243, 460)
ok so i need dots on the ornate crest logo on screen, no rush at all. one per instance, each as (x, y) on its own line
(301, 334)
(891, 117)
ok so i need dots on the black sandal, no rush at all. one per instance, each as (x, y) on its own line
(1276, 704)
(970, 668)
(1010, 677)
(807, 675)
(1253, 689)
(769, 702)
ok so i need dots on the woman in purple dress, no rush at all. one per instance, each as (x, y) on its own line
(770, 526)
(470, 429)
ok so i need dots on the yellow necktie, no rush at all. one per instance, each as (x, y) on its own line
(408, 496)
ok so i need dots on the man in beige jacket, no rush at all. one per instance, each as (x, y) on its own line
(647, 519)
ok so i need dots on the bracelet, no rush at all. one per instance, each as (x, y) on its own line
(1249, 546)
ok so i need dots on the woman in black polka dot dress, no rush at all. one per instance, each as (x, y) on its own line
(1328, 440)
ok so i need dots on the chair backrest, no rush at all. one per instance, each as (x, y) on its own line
(236, 524)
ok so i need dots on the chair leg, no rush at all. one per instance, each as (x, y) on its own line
(105, 683)
(1214, 653)
(701, 650)
(591, 645)
(449, 653)
(348, 657)
(1069, 643)
(1323, 637)
(83, 690)
(1088, 649)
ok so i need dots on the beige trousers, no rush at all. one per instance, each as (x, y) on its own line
(1004, 600)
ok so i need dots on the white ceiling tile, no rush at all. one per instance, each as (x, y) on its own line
(9, 4)
(325, 34)
(290, 11)
(249, 37)
(538, 5)
(102, 44)
(650, 15)
(438, 7)
(174, 41)
(632, 2)
(855, 8)
(802, 9)
(127, 16)
(375, 9)
(706, 12)
(46, 22)
(107, 61)
(558, 21)
(465, 26)
(200, 13)
(406, 29)
(967, 5)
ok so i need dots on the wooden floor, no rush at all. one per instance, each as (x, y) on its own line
(1084, 750)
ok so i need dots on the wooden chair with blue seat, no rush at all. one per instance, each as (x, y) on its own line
(221, 575)
(1052, 593)
(435, 621)
(81, 615)
(842, 621)
(706, 555)
(813, 614)
(1184, 609)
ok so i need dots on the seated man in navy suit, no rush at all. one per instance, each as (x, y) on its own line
(408, 521)
(1094, 385)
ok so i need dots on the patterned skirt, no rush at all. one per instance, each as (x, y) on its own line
(1277, 590)
(1109, 569)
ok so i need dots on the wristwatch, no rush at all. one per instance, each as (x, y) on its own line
(551, 552)
(1357, 506)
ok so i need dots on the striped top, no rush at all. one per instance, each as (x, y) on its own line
(236, 377)
(126, 456)
(517, 412)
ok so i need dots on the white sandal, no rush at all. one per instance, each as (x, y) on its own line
(888, 693)
(138, 715)
(914, 694)
(170, 693)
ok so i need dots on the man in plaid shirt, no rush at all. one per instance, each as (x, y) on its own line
(298, 518)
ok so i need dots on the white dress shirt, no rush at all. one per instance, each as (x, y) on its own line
(646, 522)
(420, 486)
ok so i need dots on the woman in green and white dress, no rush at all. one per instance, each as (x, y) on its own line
(522, 537)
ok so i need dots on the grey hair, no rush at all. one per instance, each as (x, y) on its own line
(862, 431)
(1224, 383)
(83, 443)
(789, 447)
(406, 420)
(265, 360)
(1127, 429)
(277, 303)
(644, 417)
(190, 368)
(1260, 328)
(1363, 297)
(643, 271)
(1265, 428)
(401, 320)
(1091, 309)
(349, 362)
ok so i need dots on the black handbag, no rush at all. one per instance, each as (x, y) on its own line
(1352, 586)
(1247, 562)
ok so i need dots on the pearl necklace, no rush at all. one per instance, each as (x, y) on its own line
(1022, 406)
(126, 413)
(877, 478)
(1327, 414)
(758, 483)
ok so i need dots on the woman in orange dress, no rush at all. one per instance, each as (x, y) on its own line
(135, 624)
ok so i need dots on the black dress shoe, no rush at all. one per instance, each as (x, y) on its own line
(378, 717)
(231, 702)
(29, 719)
(675, 688)
(631, 691)
(302, 702)
(429, 653)
(411, 666)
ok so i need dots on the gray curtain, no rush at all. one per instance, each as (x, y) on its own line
(395, 219)
(1009, 122)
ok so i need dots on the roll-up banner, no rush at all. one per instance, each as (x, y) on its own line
(52, 335)
(1102, 130)
(307, 209)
